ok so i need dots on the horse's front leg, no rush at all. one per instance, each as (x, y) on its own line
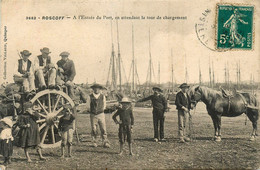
(219, 127)
(215, 126)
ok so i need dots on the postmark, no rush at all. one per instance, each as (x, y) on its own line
(205, 29)
(234, 27)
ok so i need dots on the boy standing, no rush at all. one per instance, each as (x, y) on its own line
(126, 122)
(67, 130)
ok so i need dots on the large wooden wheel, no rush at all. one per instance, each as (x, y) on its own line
(49, 104)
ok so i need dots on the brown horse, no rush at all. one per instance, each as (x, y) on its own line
(230, 106)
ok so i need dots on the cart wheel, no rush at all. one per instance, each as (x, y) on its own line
(49, 105)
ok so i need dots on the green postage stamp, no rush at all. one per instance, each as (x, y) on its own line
(234, 27)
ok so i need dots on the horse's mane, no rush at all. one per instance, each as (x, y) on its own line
(210, 92)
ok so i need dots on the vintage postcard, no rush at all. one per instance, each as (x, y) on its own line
(169, 84)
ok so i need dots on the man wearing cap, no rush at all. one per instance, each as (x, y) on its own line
(23, 72)
(183, 105)
(66, 72)
(45, 69)
(96, 104)
(159, 108)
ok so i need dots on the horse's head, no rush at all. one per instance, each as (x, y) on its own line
(195, 94)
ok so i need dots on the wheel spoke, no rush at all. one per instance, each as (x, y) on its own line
(49, 98)
(57, 129)
(42, 126)
(44, 134)
(59, 116)
(41, 120)
(52, 134)
(42, 106)
(69, 111)
(56, 104)
(58, 111)
(42, 115)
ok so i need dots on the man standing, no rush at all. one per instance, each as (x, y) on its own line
(159, 108)
(183, 105)
(45, 69)
(66, 73)
(23, 72)
(96, 104)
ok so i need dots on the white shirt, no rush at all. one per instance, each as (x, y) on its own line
(37, 63)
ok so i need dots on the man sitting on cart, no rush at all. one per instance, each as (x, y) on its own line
(23, 73)
(66, 73)
(45, 70)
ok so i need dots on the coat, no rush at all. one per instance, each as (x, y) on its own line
(181, 101)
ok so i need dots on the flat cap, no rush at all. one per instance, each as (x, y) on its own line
(64, 53)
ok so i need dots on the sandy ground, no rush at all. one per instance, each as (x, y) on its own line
(234, 151)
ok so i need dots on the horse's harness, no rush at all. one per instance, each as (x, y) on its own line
(241, 96)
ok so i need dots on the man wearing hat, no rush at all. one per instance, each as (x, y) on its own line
(159, 108)
(66, 72)
(96, 104)
(45, 69)
(23, 72)
(183, 105)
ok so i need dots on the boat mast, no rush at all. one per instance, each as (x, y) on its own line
(159, 72)
(172, 75)
(186, 71)
(133, 62)
(119, 59)
(210, 80)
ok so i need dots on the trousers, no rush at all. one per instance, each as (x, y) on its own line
(182, 122)
(124, 133)
(158, 122)
(61, 79)
(28, 82)
(50, 75)
(98, 120)
(67, 137)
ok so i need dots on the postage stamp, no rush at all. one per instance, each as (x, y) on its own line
(234, 27)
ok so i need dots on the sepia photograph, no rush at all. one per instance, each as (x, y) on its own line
(154, 84)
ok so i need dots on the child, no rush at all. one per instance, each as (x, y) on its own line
(29, 135)
(66, 126)
(6, 139)
(126, 122)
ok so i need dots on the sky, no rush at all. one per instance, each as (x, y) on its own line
(89, 41)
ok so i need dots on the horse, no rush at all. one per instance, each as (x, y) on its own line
(219, 105)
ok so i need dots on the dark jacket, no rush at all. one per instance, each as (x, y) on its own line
(40, 58)
(159, 102)
(181, 100)
(125, 115)
(69, 69)
(96, 105)
(20, 65)
(66, 122)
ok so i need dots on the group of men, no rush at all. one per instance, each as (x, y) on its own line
(96, 104)
(159, 103)
(43, 74)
